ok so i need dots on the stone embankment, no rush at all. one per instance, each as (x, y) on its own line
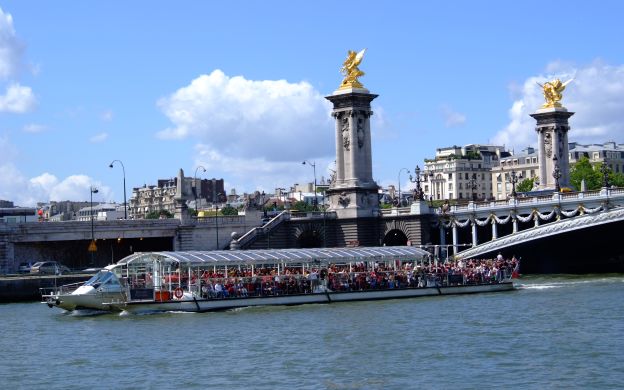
(26, 288)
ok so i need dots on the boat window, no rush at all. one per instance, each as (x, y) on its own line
(99, 278)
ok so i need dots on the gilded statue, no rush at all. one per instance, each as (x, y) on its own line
(351, 71)
(552, 92)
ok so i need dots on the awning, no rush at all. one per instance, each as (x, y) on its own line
(268, 256)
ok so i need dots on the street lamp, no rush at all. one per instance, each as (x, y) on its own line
(92, 247)
(216, 204)
(195, 185)
(514, 179)
(123, 169)
(604, 169)
(556, 174)
(473, 186)
(417, 180)
(314, 168)
(399, 180)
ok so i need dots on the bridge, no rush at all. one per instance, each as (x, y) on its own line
(68, 241)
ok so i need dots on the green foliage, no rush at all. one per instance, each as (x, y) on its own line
(583, 169)
(385, 205)
(229, 210)
(302, 206)
(157, 214)
(525, 185)
(616, 179)
(472, 155)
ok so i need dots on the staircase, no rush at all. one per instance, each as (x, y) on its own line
(264, 233)
(185, 239)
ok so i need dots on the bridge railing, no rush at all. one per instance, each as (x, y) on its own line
(222, 220)
(267, 227)
(312, 214)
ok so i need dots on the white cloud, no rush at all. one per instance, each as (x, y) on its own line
(452, 118)
(107, 116)
(101, 137)
(10, 47)
(596, 96)
(272, 120)
(33, 128)
(17, 99)
(249, 174)
(253, 133)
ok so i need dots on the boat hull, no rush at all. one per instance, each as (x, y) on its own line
(204, 305)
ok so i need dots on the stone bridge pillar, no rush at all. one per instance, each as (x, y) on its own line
(353, 192)
(552, 135)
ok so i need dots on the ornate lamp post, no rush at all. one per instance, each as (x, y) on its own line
(313, 165)
(604, 169)
(399, 180)
(217, 216)
(418, 192)
(195, 184)
(123, 169)
(556, 174)
(472, 182)
(92, 247)
(513, 178)
(431, 176)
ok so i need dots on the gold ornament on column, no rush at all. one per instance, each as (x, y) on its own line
(552, 92)
(351, 71)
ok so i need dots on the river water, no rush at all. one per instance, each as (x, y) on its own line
(553, 332)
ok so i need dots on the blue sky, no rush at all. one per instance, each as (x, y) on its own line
(238, 86)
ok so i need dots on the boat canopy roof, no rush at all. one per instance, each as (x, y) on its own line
(270, 256)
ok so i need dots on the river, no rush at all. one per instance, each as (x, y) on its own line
(552, 332)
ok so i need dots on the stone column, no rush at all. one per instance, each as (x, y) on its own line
(474, 233)
(552, 128)
(353, 193)
(494, 230)
(454, 238)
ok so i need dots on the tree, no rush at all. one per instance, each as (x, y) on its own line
(583, 170)
(616, 179)
(302, 206)
(157, 214)
(229, 210)
(525, 185)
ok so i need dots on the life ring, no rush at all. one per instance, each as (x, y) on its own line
(178, 293)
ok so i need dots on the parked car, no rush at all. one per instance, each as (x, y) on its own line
(49, 268)
(24, 268)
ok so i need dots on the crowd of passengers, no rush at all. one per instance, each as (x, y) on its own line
(355, 277)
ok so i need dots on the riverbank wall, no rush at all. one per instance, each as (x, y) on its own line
(26, 288)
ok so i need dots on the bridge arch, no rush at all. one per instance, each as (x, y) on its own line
(310, 236)
(395, 237)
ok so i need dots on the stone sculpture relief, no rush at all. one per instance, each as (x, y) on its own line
(343, 199)
(548, 145)
(345, 132)
(360, 132)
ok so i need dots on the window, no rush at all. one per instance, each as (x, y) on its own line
(450, 195)
(499, 187)
(466, 175)
(427, 188)
(451, 187)
(450, 176)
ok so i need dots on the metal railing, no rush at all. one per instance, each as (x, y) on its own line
(267, 227)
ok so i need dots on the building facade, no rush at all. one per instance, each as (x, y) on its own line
(199, 193)
(461, 172)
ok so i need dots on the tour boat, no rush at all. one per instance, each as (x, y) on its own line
(102, 287)
(200, 281)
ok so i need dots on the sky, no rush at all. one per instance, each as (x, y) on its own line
(238, 87)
